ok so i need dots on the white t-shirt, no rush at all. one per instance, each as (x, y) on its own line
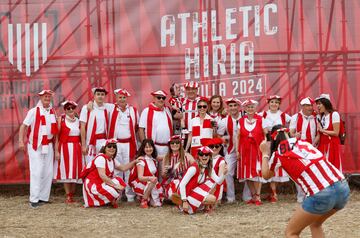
(160, 130)
(151, 164)
(100, 163)
(325, 120)
(273, 119)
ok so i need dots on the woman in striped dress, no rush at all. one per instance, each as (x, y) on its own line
(324, 185)
(144, 177)
(69, 160)
(198, 184)
(174, 166)
(100, 185)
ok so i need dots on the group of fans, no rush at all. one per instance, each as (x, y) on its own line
(188, 152)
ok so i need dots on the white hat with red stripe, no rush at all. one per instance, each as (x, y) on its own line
(110, 141)
(205, 150)
(232, 100)
(191, 84)
(159, 93)
(307, 101)
(121, 91)
(46, 91)
(323, 95)
(64, 103)
(271, 97)
(99, 89)
(249, 102)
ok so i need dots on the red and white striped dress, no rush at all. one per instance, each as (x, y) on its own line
(305, 165)
(218, 160)
(171, 184)
(71, 162)
(195, 186)
(251, 135)
(95, 191)
(150, 169)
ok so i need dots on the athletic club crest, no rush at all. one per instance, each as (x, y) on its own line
(27, 46)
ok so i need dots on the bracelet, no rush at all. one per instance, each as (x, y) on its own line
(266, 156)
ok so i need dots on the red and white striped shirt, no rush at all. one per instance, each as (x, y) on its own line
(306, 165)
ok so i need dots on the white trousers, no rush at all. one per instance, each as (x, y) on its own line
(231, 161)
(123, 157)
(41, 173)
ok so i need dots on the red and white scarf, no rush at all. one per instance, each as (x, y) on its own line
(150, 116)
(38, 133)
(282, 116)
(132, 126)
(299, 124)
(91, 124)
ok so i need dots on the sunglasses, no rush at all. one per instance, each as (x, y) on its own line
(70, 108)
(174, 142)
(202, 106)
(203, 154)
(214, 146)
(161, 98)
(111, 146)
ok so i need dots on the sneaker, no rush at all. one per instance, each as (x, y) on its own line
(230, 200)
(258, 203)
(34, 205)
(176, 199)
(44, 202)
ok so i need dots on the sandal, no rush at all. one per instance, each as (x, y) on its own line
(69, 198)
(176, 199)
(257, 200)
(144, 203)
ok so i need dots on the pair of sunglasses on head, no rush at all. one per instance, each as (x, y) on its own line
(70, 108)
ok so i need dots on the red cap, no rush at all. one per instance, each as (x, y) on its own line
(233, 100)
(46, 91)
(69, 102)
(159, 93)
(216, 141)
(249, 102)
(110, 141)
(205, 150)
(122, 92)
(174, 137)
(100, 89)
(271, 97)
(203, 99)
(307, 101)
(191, 84)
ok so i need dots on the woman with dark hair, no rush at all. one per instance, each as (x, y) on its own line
(329, 128)
(69, 159)
(219, 166)
(324, 185)
(174, 165)
(144, 177)
(100, 186)
(197, 184)
(201, 127)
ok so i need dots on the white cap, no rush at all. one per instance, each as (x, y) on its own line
(307, 101)
(323, 95)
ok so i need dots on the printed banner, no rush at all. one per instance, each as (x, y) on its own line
(243, 49)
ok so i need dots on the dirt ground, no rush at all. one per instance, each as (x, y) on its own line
(57, 219)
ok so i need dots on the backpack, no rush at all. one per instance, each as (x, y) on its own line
(342, 131)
